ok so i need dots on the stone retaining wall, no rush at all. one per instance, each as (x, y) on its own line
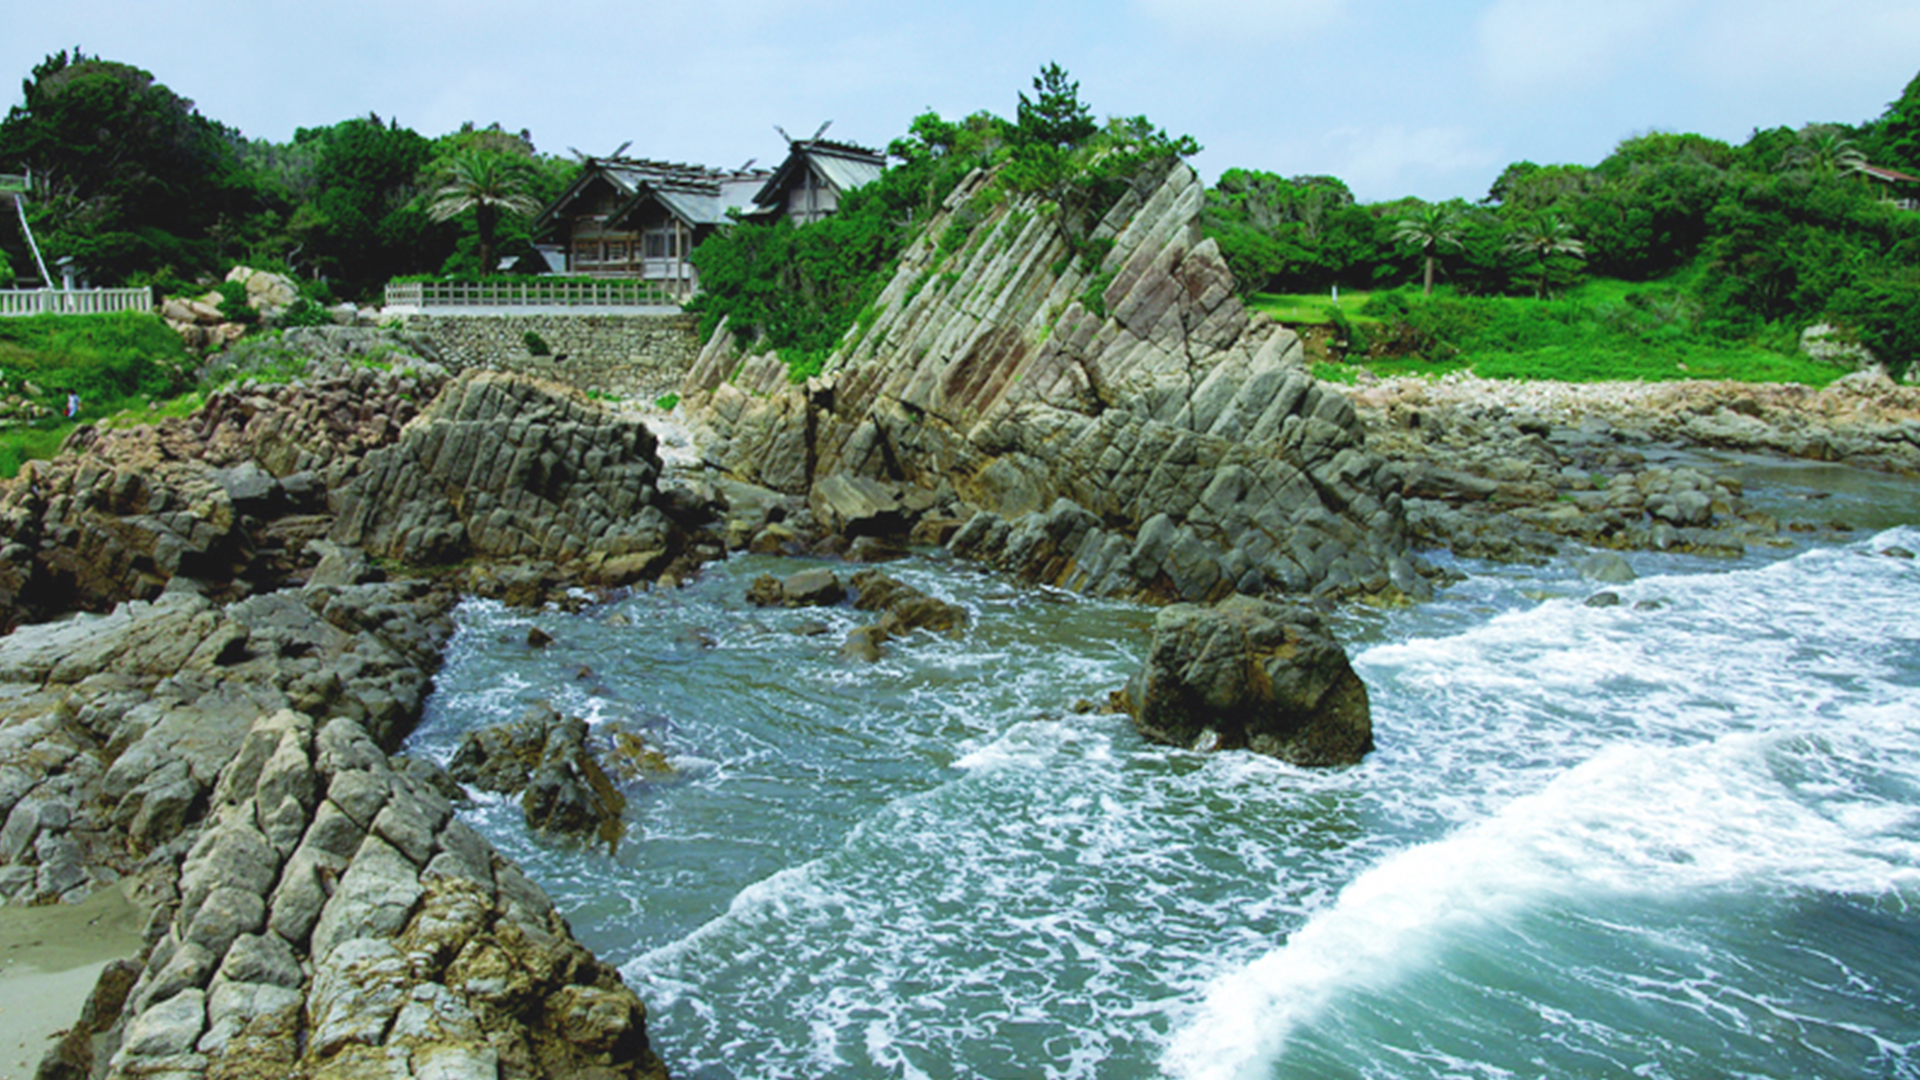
(639, 356)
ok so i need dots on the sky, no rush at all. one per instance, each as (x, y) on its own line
(1430, 98)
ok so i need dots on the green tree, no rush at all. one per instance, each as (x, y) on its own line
(1880, 313)
(1896, 135)
(1545, 237)
(1055, 116)
(1648, 214)
(1431, 229)
(128, 178)
(364, 223)
(1530, 188)
(487, 183)
(1825, 150)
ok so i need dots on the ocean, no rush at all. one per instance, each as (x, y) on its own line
(1674, 837)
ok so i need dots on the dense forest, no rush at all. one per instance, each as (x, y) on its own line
(1790, 228)
(137, 187)
(1753, 241)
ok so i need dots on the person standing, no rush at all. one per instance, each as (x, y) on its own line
(73, 405)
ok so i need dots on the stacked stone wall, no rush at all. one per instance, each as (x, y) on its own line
(638, 356)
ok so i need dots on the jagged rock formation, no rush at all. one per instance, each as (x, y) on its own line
(506, 467)
(229, 496)
(221, 734)
(322, 912)
(334, 918)
(1251, 674)
(1012, 373)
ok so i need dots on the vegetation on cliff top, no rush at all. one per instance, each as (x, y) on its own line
(798, 291)
(113, 362)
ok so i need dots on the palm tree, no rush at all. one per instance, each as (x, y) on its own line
(1543, 236)
(1821, 148)
(489, 184)
(1431, 228)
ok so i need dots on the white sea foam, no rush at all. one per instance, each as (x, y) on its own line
(1728, 742)
(931, 866)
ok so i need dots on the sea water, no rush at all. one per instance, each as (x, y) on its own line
(1676, 837)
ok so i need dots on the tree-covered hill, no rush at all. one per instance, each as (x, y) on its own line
(136, 186)
(1760, 240)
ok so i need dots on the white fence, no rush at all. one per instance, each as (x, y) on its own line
(74, 302)
(428, 295)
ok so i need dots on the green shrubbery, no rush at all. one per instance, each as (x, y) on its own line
(1729, 247)
(113, 362)
(799, 291)
(108, 360)
(1606, 331)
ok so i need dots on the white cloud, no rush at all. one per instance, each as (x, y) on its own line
(1386, 162)
(1873, 44)
(1535, 45)
(1242, 20)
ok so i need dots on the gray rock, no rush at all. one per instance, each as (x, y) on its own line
(357, 992)
(171, 1027)
(1251, 674)
(1606, 567)
(456, 1063)
(858, 506)
(226, 914)
(374, 900)
(262, 958)
(816, 587)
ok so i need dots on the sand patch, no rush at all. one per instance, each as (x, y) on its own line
(50, 958)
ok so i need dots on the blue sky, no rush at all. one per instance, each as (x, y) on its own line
(1430, 99)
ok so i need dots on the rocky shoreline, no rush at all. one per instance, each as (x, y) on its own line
(222, 627)
(1510, 471)
(217, 722)
(271, 581)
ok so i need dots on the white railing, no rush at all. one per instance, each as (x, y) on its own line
(74, 301)
(427, 295)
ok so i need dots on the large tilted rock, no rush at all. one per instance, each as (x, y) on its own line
(1251, 674)
(509, 467)
(1010, 374)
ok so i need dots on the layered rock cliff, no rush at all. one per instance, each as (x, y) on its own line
(221, 734)
(1128, 425)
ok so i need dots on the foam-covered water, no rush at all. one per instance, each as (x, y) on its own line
(1679, 837)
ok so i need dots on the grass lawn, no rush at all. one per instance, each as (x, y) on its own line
(116, 363)
(1291, 308)
(1604, 330)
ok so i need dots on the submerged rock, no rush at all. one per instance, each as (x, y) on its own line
(544, 758)
(815, 587)
(1251, 674)
(904, 609)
